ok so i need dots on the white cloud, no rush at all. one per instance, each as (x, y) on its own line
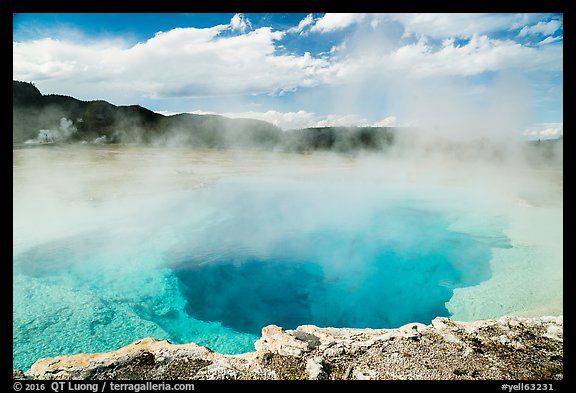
(542, 28)
(284, 120)
(181, 62)
(435, 25)
(300, 119)
(552, 132)
(465, 25)
(304, 119)
(483, 54)
(423, 60)
(169, 113)
(50, 58)
(389, 121)
(545, 131)
(549, 40)
(240, 23)
(342, 120)
(331, 22)
(307, 21)
(187, 62)
(369, 57)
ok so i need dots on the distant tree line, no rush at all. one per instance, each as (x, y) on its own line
(33, 111)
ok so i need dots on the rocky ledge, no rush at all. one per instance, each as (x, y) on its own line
(507, 348)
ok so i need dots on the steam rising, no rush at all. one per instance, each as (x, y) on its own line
(61, 133)
(202, 245)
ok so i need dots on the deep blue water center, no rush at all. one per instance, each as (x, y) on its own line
(216, 264)
(378, 268)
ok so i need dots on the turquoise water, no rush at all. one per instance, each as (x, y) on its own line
(216, 264)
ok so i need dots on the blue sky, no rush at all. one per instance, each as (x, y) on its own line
(462, 74)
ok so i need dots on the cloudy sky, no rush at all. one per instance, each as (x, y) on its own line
(463, 74)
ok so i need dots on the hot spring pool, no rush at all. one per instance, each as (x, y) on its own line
(213, 265)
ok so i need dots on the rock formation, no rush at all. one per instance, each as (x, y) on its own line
(511, 348)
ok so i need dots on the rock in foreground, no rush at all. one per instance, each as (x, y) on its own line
(508, 348)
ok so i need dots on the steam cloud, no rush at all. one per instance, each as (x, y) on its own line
(65, 130)
(116, 220)
(62, 133)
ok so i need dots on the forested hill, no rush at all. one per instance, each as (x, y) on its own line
(68, 119)
(39, 118)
